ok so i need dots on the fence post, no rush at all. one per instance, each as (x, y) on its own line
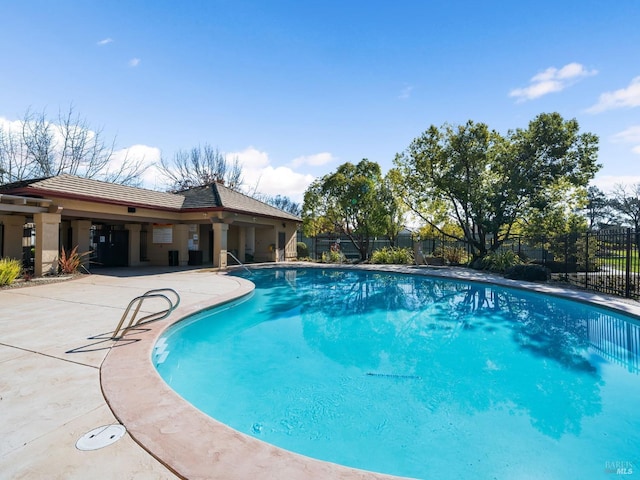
(586, 260)
(627, 286)
(566, 257)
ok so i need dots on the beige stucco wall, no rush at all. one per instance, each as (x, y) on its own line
(266, 239)
(291, 250)
(12, 242)
(237, 232)
(47, 242)
(204, 244)
(116, 212)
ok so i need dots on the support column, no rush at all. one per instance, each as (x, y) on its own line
(242, 241)
(81, 236)
(250, 242)
(47, 242)
(13, 231)
(417, 252)
(220, 231)
(134, 243)
(181, 242)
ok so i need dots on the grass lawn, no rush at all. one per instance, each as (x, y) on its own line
(617, 259)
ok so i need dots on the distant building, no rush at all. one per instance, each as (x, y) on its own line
(127, 226)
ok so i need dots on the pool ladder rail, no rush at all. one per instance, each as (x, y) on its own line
(240, 263)
(138, 301)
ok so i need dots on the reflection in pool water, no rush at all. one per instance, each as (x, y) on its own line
(416, 376)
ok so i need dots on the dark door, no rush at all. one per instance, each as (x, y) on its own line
(282, 241)
(110, 248)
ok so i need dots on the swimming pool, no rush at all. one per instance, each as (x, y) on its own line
(415, 376)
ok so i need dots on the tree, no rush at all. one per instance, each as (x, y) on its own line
(14, 162)
(347, 202)
(42, 148)
(625, 203)
(489, 183)
(283, 203)
(201, 166)
(598, 209)
(395, 209)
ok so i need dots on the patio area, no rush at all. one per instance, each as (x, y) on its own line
(50, 392)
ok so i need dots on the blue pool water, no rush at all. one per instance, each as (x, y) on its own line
(416, 376)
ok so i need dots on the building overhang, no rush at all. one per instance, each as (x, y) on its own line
(21, 204)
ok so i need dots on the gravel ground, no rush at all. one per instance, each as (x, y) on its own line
(20, 282)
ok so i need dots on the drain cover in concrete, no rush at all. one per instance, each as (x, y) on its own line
(100, 437)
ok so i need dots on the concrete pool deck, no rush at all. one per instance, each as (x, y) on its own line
(54, 379)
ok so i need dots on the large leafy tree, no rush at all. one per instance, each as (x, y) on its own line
(394, 209)
(349, 201)
(489, 183)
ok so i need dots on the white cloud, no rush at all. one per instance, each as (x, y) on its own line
(624, 97)
(250, 158)
(405, 93)
(134, 62)
(315, 160)
(551, 80)
(149, 156)
(607, 183)
(14, 126)
(105, 41)
(261, 177)
(278, 181)
(630, 135)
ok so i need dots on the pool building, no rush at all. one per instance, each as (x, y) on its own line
(128, 226)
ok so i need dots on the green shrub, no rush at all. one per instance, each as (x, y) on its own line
(10, 269)
(530, 272)
(333, 256)
(498, 261)
(453, 255)
(391, 255)
(303, 250)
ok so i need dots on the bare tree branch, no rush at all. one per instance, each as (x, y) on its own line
(42, 148)
(201, 166)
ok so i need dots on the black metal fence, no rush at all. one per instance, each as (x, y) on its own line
(323, 243)
(605, 261)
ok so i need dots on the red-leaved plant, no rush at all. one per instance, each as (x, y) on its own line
(71, 262)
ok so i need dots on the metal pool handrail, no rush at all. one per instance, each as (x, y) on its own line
(155, 293)
(239, 262)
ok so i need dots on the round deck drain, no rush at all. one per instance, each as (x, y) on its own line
(100, 437)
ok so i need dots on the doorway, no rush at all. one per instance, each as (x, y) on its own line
(110, 246)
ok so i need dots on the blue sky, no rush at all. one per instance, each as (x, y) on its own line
(295, 88)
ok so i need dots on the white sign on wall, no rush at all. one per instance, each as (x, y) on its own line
(163, 234)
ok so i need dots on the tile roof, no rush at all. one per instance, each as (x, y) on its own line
(90, 189)
(218, 195)
(212, 196)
